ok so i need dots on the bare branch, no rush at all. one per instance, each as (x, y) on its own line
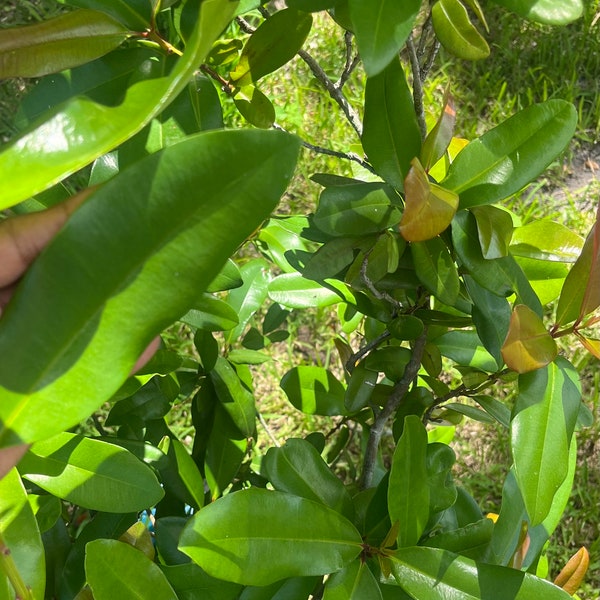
(417, 86)
(391, 406)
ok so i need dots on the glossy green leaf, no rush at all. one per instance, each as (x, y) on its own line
(544, 418)
(465, 348)
(440, 575)
(117, 570)
(408, 492)
(20, 532)
(494, 408)
(580, 294)
(235, 397)
(134, 13)
(546, 240)
(456, 32)
(391, 360)
(506, 158)
(356, 210)
(438, 139)
(225, 451)
(439, 462)
(314, 391)
(128, 283)
(186, 470)
(528, 345)
(360, 387)
(471, 540)
(406, 327)
(212, 314)
(491, 317)
(391, 136)
(256, 537)
(436, 270)
(297, 468)
(294, 291)
(279, 236)
(273, 44)
(381, 27)
(70, 138)
(501, 276)
(355, 582)
(47, 510)
(91, 473)
(494, 227)
(550, 12)
(255, 107)
(428, 208)
(331, 258)
(57, 44)
(190, 582)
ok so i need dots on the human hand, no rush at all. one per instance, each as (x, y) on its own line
(22, 238)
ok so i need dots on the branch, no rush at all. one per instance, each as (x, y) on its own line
(391, 406)
(417, 86)
(351, 62)
(379, 295)
(334, 91)
(321, 150)
(351, 362)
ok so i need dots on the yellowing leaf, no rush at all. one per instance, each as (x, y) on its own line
(139, 537)
(570, 578)
(428, 209)
(528, 345)
(591, 345)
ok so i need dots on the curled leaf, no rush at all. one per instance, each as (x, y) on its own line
(528, 345)
(572, 574)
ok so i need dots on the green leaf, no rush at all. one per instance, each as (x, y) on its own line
(471, 540)
(550, 12)
(235, 397)
(228, 278)
(428, 208)
(211, 314)
(528, 345)
(391, 137)
(546, 240)
(439, 575)
(294, 291)
(408, 493)
(280, 236)
(382, 27)
(91, 473)
(506, 158)
(465, 349)
(117, 570)
(314, 391)
(391, 360)
(297, 468)
(255, 107)
(491, 317)
(256, 537)
(20, 532)
(273, 44)
(190, 582)
(436, 270)
(494, 227)
(544, 418)
(134, 13)
(47, 510)
(456, 32)
(360, 387)
(57, 44)
(494, 408)
(580, 294)
(187, 471)
(438, 139)
(225, 451)
(442, 491)
(75, 123)
(356, 209)
(355, 582)
(127, 283)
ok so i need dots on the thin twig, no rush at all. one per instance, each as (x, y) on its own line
(98, 425)
(392, 404)
(335, 93)
(267, 429)
(417, 86)
(377, 293)
(351, 62)
(351, 362)
(433, 50)
(245, 26)
(321, 150)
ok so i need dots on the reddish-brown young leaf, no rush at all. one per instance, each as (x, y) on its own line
(570, 578)
(528, 345)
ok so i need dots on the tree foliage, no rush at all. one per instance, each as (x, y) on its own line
(429, 271)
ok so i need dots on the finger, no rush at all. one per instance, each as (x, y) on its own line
(147, 354)
(22, 238)
(10, 456)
